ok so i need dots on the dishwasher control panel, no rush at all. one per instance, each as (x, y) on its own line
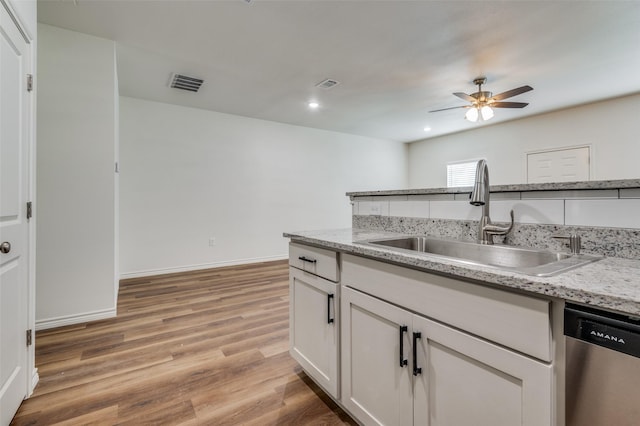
(612, 331)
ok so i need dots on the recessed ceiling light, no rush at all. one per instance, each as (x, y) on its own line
(313, 105)
(427, 129)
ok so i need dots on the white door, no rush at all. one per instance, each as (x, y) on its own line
(559, 165)
(468, 381)
(313, 327)
(14, 135)
(376, 380)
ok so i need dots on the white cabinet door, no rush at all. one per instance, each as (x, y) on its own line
(14, 160)
(468, 381)
(313, 327)
(449, 377)
(376, 388)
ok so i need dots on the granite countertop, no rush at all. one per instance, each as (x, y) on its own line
(611, 283)
(559, 186)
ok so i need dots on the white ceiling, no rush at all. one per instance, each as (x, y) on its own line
(395, 60)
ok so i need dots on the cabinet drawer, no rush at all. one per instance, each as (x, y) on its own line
(321, 262)
(514, 320)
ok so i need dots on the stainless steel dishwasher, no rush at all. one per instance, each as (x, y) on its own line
(602, 368)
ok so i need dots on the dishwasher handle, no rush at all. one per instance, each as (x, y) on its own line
(611, 331)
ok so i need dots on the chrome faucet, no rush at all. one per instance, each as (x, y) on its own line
(480, 197)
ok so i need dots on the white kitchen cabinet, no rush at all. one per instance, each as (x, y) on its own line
(314, 317)
(517, 321)
(449, 377)
(469, 381)
(376, 381)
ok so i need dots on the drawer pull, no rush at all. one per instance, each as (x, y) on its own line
(330, 320)
(416, 370)
(403, 360)
(306, 259)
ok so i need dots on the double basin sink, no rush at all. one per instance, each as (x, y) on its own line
(527, 261)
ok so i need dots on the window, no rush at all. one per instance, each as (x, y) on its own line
(461, 174)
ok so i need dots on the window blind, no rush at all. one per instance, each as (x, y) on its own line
(461, 174)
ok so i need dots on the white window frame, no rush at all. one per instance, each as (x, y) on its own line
(461, 173)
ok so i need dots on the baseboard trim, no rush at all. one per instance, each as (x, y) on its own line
(75, 319)
(188, 268)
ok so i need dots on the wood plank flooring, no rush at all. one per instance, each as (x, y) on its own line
(198, 348)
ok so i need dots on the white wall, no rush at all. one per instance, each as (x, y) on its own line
(610, 127)
(75, 209)
(188, 175)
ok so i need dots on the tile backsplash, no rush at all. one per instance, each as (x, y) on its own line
(602, 208)
(620, 213)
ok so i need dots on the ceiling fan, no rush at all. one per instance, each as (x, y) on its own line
(482, 102)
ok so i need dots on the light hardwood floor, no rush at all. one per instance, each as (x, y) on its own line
(198, 348)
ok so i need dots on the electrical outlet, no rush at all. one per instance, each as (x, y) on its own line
(212, 241)
(375, 208)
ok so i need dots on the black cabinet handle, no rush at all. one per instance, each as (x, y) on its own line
(403, 361)
(306, 259)
(416, 370)
(329, 319)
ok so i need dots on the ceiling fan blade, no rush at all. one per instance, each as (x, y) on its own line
(508, 104)
(445, 109)
(512, 92)
(465, 97)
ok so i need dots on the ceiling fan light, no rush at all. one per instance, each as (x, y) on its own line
(472, 114)
(486, 112)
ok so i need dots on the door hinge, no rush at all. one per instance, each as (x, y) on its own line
(29, 337)
(29, 82)
(29, 210)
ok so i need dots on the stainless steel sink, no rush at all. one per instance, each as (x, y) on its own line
(516, 259)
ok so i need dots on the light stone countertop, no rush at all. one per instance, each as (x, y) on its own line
(610, 283)
(559, 186)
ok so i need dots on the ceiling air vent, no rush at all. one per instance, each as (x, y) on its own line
(327, 84)
(184, 82)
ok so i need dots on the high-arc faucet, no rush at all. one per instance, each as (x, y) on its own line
(480, 197)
